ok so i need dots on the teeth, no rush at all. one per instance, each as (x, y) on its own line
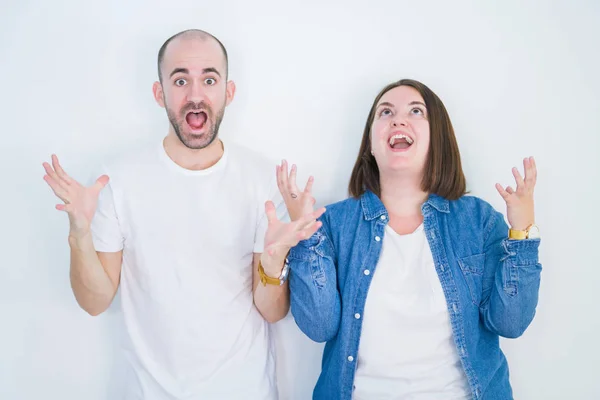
(400, 136)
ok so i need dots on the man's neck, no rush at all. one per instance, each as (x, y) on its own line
(192, 159)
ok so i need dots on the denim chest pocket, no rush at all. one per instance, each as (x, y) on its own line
(472, 269)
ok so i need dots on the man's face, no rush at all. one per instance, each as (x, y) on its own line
(194, 89)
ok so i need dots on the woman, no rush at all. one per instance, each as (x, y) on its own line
(410, 282)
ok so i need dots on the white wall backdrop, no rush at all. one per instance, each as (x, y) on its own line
(518, 78)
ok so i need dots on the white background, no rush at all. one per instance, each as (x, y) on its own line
(517, 78)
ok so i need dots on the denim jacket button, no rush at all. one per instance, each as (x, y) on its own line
(377, 238)
(350, 358)
(357, 316)
(367, 272)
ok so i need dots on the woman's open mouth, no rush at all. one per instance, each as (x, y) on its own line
(400, 142)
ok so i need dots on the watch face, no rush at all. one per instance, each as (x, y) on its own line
(284, 273)
(534, 232)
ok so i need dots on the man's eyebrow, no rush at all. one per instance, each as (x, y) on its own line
(179, 70)
(211, 69)
(186, 71)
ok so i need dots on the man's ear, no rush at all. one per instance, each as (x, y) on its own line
(230, 92)
(157, 90)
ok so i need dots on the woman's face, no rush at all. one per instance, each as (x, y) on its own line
(400, 131)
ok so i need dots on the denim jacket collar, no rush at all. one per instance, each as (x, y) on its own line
(372, 206)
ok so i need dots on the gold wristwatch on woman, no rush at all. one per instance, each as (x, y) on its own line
(531, 232)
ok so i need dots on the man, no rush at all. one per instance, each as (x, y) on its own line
(181, 228)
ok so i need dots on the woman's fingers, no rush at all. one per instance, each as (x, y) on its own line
(534, 169)
(309, 184)
(284, 174)
(530, 172)
(282, 188)
(292, 181)
(518, 178)
(505, 195)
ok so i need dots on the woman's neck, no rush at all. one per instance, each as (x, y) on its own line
(403, 197)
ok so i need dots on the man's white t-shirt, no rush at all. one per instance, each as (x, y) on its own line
(406, 348)
(188, 237)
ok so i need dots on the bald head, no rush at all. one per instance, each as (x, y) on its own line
(190, 34)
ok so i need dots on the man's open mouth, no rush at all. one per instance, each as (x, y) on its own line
(196, 119)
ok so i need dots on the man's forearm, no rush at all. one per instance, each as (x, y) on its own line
(90, 282)
(272, 301)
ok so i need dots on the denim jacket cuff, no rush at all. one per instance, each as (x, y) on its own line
(524, 252)
(305, 250)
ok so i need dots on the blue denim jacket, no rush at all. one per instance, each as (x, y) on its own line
(490, 283)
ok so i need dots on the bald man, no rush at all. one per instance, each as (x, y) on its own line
(180, 227)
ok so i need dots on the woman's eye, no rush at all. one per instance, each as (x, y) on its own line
(385, 112)
(417, 111)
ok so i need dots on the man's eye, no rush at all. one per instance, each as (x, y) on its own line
(210, 81)
(180, 82)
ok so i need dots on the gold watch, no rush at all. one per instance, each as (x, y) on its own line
(266, 279)
(531, 232)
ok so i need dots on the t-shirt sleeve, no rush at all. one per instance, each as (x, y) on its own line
(106, 230)
(274, 195)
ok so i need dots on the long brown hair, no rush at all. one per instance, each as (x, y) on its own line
(443, 174)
